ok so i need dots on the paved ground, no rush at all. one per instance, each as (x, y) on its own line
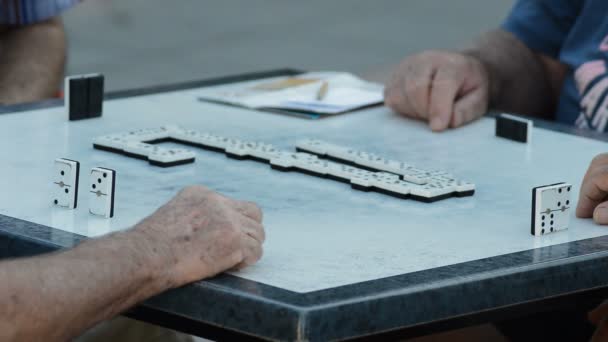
(144, 42)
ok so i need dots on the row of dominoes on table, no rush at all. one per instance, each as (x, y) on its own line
(364, 171)
(101, 187)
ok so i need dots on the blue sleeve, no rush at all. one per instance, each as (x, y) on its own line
(24, 12)
(543, 25)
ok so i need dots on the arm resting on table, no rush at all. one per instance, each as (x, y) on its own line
(58, 296)
(196, 235)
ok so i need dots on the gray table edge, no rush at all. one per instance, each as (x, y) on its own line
(228, 306)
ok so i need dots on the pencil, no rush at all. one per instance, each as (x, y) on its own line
(322, 91)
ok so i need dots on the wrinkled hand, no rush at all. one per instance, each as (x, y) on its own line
(593, 197)
(200, 233)
(444, 88)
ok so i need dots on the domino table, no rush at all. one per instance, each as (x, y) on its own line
(339, 264)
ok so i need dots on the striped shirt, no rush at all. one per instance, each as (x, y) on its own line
(24, 12)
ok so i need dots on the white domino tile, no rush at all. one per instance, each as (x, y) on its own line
(262, 151)
(283, 160)
(464, 186)
(361, 181)
(101, 192)
(237, 148)
(551, 208)
(116, 142)
(65, 183)
(396, 186)
(171, 156)
(312, 145)
(139, 148)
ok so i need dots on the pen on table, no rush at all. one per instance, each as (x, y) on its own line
(322, 91)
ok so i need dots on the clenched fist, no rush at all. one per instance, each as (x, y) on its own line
(444, 88)
(593, 198)
(200, 233)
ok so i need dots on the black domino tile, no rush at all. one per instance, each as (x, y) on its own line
(338, 179)
(392, 194)
(134, 155)
(432, 199)
(303, 150)
(107, 149)
(209, 148)
(259, 160)
(78, 99)
(281, 168)
(511, 129)
(236, 156)
(95, 95)
(465, 193)
(533, 226)
(171, 164)
(158, 141)
(76, 184)
(86, 95)
(361, 187)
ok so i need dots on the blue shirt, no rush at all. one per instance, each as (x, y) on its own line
(576, 33)
(24, 12)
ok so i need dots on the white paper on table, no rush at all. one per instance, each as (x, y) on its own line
(345, 92)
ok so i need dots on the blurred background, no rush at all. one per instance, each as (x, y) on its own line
(137, 43)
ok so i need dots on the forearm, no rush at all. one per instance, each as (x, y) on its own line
(519, 79)
(32, 60)
(58, 297)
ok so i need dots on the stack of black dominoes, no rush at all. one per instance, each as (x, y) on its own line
(84, 96)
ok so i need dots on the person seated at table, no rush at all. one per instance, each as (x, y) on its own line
(32, 49)
(32, 60)
(549, 60)
(196, 235)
